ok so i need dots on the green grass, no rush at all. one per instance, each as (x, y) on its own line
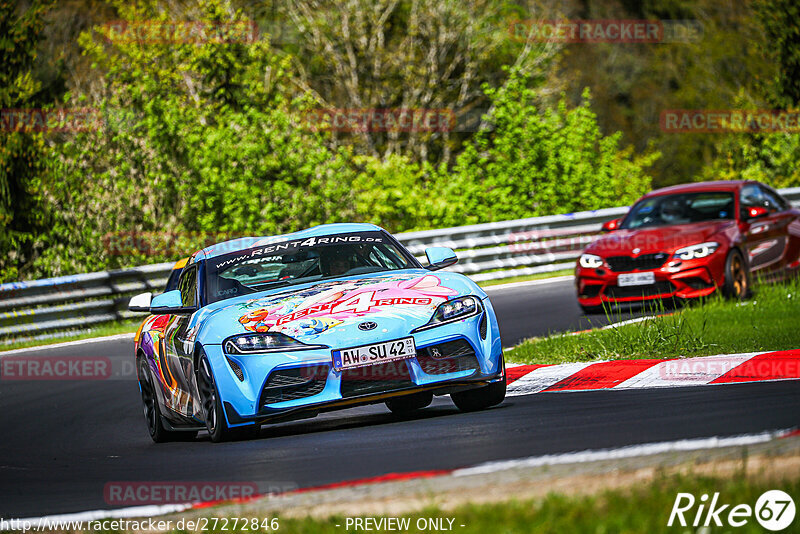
(642, 508)
(527, 278)
(770, 320)
(106, 329)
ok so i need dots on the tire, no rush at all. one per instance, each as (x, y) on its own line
(152, 411)
(737, 277)
(410, 403)
(473, 400)
(591, 310)
(216, 423)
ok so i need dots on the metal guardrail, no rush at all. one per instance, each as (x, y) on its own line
(493, 251)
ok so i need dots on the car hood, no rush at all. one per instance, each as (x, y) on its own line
(330, 311)
(657, 239)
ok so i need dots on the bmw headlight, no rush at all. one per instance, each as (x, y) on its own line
(454, 310)
(590, 261)
(264, 342)
(700, 250)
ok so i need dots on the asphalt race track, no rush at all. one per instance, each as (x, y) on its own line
(63, 441)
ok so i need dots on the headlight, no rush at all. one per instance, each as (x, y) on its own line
(453, 310)
(266, 342)
(590, 261)
(696, 251)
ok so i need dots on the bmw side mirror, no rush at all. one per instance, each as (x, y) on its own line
(755, 212)
(610, 226)
(170, 303)
(440, 257)
(140, 303)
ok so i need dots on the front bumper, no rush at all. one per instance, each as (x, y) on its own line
(284, 386)
(683, 280)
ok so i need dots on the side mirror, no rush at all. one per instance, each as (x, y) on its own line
(170, 303)
(755, 213)
(440, 257)
(610, 226)
(140, 303)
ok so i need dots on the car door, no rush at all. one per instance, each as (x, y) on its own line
(179, 341)
(766, 236)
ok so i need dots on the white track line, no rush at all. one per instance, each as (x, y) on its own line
(128, 335)
(515, 285)
(648, 449)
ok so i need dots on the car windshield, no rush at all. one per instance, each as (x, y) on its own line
(681, 208)
(292, 262)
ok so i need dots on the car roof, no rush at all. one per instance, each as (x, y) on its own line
(696, 187)
(244, 243)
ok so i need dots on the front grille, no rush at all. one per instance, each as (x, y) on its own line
(295, 383)
(377, 378)
(659, 288)
(645, 262)
(449, 357)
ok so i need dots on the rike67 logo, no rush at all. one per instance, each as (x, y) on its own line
(774, 510)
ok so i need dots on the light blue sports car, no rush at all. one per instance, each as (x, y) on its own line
(270, 329)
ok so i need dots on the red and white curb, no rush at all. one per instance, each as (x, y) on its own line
(641, 374)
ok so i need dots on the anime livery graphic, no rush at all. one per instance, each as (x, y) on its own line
(269, 329)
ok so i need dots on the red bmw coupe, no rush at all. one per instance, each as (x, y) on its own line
(688, 241)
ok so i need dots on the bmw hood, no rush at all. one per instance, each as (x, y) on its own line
(367, 308)
(657, 239)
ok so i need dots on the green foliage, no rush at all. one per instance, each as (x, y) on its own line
(782, 47)
(23, 209)
(538, 162)
(200, 139)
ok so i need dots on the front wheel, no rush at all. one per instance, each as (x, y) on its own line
(152, 410)
(409, 403)
(737, 276)
(484, 397)
(216, 424)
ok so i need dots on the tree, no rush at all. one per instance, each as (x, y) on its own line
(540, 162)
(23, 209)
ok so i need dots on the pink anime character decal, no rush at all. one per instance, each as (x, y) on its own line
(326, 306)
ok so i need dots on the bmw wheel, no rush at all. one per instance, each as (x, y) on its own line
(737, 276)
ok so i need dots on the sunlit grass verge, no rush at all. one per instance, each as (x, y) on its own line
(644, 507)
(106, 329)
(770, 320)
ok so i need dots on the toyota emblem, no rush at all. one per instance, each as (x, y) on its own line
(368, 325)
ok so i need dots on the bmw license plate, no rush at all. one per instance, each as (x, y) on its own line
(636, 279)
(399, 349)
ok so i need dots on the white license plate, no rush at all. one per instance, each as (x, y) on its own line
(399, 349)
(636, 279)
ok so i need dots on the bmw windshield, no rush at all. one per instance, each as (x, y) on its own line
(683, 208)
(300, 261)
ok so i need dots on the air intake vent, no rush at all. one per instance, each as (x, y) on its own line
(236, 369)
